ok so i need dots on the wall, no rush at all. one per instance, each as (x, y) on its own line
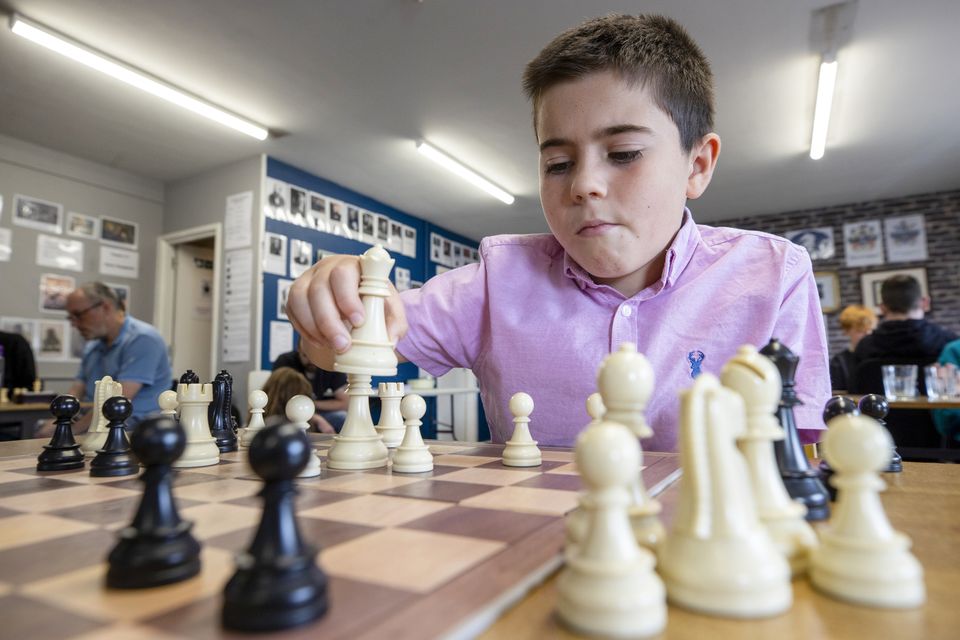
(201, 200)
(942, 215)
(82, 186)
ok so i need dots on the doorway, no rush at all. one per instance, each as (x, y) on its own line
(187, 299)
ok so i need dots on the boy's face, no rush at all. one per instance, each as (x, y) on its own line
(613, 177)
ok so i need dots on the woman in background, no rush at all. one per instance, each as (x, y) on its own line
(856, 321)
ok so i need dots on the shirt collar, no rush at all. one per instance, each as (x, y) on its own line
(678, 256)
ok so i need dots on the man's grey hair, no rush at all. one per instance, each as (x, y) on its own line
(99, 292)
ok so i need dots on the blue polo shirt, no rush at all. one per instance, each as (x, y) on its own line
(139, 354)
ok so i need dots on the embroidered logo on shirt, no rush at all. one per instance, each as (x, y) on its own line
(695, 358)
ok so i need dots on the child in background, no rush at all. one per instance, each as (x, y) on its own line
(856, 321)
(623, 116)
(283, 384)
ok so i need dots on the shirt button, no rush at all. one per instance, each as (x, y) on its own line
(626, 311)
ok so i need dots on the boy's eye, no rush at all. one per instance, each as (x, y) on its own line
(624, 157)
(554, 168)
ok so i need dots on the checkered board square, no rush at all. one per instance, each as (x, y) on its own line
(438, 554)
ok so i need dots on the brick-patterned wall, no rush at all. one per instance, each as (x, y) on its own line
(942, 214)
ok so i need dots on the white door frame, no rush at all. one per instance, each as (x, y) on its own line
(165, 287)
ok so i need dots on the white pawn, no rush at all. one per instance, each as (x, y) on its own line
(861, 558)
(168, 404)
(609, 587)
(718, 558)
(521, 449)
(412, 456)
(576, 522)
(391, 427)
(757, 380)
(299, 410)
(257, 400)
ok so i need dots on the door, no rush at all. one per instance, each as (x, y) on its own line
(193, 309)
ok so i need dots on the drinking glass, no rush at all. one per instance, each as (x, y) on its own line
(899, 381)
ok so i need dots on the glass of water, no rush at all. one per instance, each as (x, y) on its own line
(941, 381)
(899, 381)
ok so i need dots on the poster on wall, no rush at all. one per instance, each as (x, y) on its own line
(906, 238)
(401, 278)
(383, 230)
(317, 213)
(281, 339)
(237, 296)
(238, 221)
(435, 242)
(301, 257)
(82, 226)
(275, 200)
(367, 227)
(120, 233)
(52, 340)
(818, 242)
(119, 262)
(336, 211)
(863, 243)
(54, 290)
(298, 206)
(26, 327)
(37, 214)
(6, 244)
(59, 253)
(275, 254)
(353, 222)
(409, 241)
(283, 290)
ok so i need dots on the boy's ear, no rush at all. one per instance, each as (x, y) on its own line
(703, 160)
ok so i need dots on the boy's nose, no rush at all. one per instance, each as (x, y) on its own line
(588, 183)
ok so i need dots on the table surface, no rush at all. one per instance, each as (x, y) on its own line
(923, 501)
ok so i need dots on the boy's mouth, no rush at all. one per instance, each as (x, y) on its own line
(594, 228)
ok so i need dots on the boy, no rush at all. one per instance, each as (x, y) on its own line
(623, 114)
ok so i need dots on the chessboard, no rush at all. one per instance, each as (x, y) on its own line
(438, 554)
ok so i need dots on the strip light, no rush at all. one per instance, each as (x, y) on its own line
(470, 176)
(75, 51)
(821, 112)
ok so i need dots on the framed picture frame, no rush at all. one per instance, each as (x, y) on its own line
(35, 213)
(828, 286)
(871, 282)
(119, 233)
(82, 226)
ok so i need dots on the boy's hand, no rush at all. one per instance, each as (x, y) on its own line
(324, 303)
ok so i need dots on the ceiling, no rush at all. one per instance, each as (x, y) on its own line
(352, 85)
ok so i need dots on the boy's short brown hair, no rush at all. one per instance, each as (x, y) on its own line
(857, 317)
(646, 49)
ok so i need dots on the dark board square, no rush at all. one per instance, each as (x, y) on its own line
(32, 485)
(29, 563)
(560, 481)
(488, 524)
(438, 490)
(26, 618)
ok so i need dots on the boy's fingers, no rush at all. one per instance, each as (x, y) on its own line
(345, 286)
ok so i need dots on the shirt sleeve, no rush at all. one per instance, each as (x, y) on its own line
(800, 327)
(141, 359)
(447, 319)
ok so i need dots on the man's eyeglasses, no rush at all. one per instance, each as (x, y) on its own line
(76, 315)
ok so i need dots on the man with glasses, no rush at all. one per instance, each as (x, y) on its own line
(118, 345)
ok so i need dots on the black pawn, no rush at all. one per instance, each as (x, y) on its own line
(63, 452)
(157, 548)
(189, 377)
(877, 407)
(115, 458)
(835, 406)
(218, 413)
(800, 479)
(278, 584)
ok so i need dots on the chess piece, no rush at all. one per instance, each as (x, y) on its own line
(157, 547)
(219, 415)
(277, 584)
(877, 407)
(576, 520)
(37, 385)
(299, 410)
(521, 449)
(625, 381)
(4, 395)
(201, 449)
(359, 446)
(189, 377)
(115, 459)
(63, 452)
(412, 456)
(103, 389)
(258, 400)
(802, 482)
(168, 405)
(718, 559)
(835, 406)
(391, 425)
(609, 587)
(861, 558)
(757, 381)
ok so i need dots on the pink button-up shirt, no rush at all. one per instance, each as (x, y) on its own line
(528, 318)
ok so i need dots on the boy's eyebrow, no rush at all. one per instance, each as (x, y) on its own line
(602, 133)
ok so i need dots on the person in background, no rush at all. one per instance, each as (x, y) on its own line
(856, 321)
(947, 421)
(904, 333)
(329, 389)
(19, 368)
(283, 384)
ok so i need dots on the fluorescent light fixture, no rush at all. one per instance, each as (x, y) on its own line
(84, 55)
(453, 166)
(821, 113)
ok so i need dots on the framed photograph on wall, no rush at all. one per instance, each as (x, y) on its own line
(81, 226)
(828, 286)
(118, 232)
(37, 214)
(870, 284)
